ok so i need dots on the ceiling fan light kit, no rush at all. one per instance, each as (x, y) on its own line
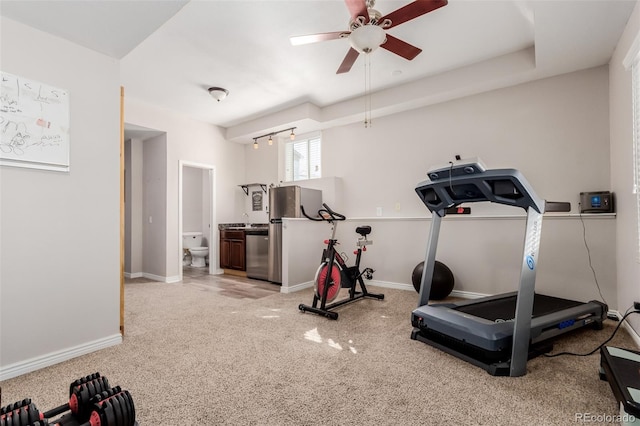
(367, 30)
(367, 38)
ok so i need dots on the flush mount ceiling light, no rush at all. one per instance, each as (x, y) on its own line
(218, 93)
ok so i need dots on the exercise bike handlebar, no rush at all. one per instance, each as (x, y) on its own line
(321, 213)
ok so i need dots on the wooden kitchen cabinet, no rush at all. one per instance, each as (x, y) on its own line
(232, 250)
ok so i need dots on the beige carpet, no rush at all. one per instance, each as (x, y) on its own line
(193, 356)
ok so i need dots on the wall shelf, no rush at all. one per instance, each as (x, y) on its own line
(246, 187)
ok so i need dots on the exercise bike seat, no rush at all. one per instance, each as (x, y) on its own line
(363, 230)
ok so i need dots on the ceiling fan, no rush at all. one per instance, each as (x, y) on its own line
(367, 30)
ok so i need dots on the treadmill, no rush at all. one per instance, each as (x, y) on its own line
(499, 333)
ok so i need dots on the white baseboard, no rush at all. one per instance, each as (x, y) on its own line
(409, 287)
(296, 287)
(467, 294)
(386, 284)
(33, 364)
(174, 279)
(389, 284)
(161, 279)
(133, 275)
(374, 283)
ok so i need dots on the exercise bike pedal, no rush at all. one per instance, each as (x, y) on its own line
(368, 273)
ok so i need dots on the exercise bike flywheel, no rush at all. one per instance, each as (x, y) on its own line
(334, 282)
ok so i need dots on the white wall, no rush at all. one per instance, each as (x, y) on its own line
(192, 199)
(555, 131)
(135, 251)
(60, 250)
(133, 208)
(128, 193)
(628, 268)
(154, 207)
(484, 254)
(205, 219)
(195, 142)
(260, 215)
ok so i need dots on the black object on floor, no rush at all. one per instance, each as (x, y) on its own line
(621, 368)
(92, 402)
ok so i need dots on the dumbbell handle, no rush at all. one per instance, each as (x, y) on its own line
(56, 411)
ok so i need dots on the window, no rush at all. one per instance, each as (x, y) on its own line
(633, 61)
(302, 159)
(635, 75)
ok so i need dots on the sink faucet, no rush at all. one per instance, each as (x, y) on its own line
(247, 216)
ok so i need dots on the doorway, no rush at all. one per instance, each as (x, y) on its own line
(196, 210)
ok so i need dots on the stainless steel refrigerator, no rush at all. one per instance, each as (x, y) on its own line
(285, 201)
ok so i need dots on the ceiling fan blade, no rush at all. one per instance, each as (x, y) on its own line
(348, 61)
(358, 8)
(411, 11)
(314, 38)
(401, 48)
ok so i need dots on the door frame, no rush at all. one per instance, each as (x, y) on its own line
(122, 216)
(212, 237)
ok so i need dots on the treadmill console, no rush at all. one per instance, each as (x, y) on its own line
(458, 168)
(469, 181)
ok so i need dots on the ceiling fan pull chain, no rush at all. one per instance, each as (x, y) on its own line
(367, 91)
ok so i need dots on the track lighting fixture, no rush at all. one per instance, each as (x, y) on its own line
(292, 135)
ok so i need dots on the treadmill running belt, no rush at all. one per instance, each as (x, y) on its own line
(505, 309)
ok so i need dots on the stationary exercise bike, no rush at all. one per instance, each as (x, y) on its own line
(334, 274)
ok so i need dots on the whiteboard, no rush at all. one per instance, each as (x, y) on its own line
(34, 124)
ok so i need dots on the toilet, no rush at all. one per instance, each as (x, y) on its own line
(192, 242)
